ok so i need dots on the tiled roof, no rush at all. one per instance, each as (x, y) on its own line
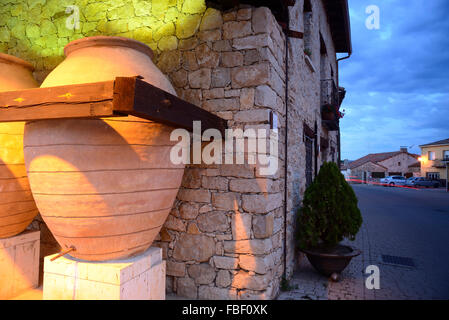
(441, 142)
(415, 165)
(377, 157)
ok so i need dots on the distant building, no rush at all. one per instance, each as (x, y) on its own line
(344, 168)
(380, 165)
(433, 156)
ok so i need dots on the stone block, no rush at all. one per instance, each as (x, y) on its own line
(189, 211)
(223, 279)
(254, 115)
(255, 246)
(256, 264)
(231, 59)
(195, 195)
(206, 57)
(138, 278)
(252, 42)
(19, 263)
(241, 226)
(215, 293)
(177, 269)
(257, 203)
(249, 76)
(220, 78)
(212, 19)
(236, 29)
(213, 221)
(216, 105)
(196, 247)
(265, 96)
(244, 280)
(223, 262)
(226, 201)
(187, 288)
(263, 226)
(247, 98)
(202, 273)
(200, 79)
(215, 183)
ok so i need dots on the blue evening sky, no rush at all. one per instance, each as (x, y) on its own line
(397, 79)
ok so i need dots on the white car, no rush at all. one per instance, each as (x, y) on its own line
(394, 181)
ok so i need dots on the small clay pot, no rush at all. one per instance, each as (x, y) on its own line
(103, 186)
(17, 207)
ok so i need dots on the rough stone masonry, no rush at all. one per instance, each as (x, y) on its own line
(224, 238)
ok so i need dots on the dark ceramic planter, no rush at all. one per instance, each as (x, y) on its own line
(331, 261)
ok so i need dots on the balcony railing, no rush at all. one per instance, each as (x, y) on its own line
(329, 93)
(440, 163)
(330, 103)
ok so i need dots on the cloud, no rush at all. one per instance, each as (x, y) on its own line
(397, 79)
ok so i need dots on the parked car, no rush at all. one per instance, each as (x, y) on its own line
(393, 181)
(410, 181)
(423, 182)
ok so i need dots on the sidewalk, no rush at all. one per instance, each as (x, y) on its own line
(308, 284)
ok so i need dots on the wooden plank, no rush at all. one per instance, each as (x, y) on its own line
(72, 101)
(123, 96)
(152, 103)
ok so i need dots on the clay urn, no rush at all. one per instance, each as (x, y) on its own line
(17, 207)
(104, 187)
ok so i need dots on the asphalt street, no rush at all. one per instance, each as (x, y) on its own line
(412, 224)
(411, 227)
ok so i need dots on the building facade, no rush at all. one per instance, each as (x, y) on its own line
(380, 165)
(434, 158)
(230, 234)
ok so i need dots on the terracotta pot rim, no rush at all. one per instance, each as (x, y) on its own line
(354, 253)
(14, 60)
(108, 41)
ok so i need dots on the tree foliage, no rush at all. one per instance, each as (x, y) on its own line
(329, 212)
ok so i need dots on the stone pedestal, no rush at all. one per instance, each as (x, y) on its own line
(19, 263)
(138, 278)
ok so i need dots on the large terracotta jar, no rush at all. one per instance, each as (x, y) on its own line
(17, 207)
(103, 186)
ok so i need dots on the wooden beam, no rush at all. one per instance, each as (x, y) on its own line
(121, 97)
(73, 101)
(150, 102)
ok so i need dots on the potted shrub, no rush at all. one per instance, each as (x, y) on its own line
(329, 214)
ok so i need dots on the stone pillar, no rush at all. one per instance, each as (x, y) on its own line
(19, 263)
(137, 278)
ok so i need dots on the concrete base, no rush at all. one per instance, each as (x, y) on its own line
(138, 278)
(19, 263)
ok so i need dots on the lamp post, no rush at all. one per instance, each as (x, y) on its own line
(447, 175)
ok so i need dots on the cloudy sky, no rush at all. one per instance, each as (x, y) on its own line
(397, 78)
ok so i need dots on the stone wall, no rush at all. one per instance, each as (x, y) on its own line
(399, 163)
(224, 238)
(304, 104)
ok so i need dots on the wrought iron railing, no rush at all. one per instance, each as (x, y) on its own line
(329, 93)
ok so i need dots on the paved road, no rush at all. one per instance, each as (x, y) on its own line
(398, 222)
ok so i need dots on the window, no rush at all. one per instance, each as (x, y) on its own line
(399, 164)
(431, 155)
(433, 175)
(307, 19)
(446, 155)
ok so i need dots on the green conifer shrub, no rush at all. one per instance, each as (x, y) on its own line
(329, 211)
